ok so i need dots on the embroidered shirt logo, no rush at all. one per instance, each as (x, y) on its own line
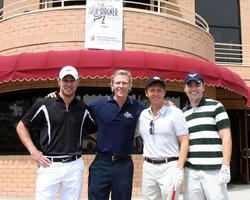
(128, 115)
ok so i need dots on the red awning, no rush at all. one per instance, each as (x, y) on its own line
(102, 63)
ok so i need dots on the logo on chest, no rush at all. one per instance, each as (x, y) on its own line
(128, 115)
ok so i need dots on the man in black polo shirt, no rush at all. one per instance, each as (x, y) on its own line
(62, 122)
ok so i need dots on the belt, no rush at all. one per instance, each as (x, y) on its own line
(161, 161)
(64, 159)
(112, 157)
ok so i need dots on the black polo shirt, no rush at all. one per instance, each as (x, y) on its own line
(116, 126)
(61, 129)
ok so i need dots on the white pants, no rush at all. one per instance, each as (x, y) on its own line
(203, 185)
(157, 180)
(64, 176)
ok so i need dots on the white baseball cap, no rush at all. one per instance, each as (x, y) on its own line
(68, 70)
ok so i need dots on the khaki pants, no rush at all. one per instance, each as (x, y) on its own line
(157, 180)
(203, 185)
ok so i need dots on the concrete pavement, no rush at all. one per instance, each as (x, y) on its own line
(236, 192)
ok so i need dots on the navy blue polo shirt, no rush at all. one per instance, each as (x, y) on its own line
(116, 126)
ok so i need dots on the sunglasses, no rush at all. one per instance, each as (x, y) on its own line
(151, 129)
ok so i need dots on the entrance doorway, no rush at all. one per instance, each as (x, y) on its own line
(240, 161)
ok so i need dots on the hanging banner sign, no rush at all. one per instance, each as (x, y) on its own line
(104, 24)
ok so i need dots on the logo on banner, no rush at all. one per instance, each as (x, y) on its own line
(100, 11)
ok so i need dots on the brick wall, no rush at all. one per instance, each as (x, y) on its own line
(19, 6)
(188, 4)
(18, 176)
(64, 29)
(243, 71)
(245, 30)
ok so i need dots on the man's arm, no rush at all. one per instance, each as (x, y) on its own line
(179, 173)
(184, 147)
(24, 136)
(225, 134)
(224, 175)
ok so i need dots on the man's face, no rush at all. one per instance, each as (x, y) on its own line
(121, 86)
(194, 90)
(155, 94)
(68, 86)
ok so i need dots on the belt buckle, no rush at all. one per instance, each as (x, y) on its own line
(114, 157)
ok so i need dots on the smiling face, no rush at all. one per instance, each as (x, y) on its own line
(194, 91)
(68, 86)
(120, 86)
(155, 94)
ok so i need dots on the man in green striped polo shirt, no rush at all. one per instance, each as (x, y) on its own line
(207, 169)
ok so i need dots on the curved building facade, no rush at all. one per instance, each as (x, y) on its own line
(160, 37)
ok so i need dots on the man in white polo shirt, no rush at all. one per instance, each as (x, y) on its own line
(165, 137)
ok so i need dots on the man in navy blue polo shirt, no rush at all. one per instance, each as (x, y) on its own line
(116, 117)
(62, 121)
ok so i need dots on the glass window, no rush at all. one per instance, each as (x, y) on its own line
(219, 13)
(14, 104)
(223, 19)
(1, 6)
(226, 35)
(69, 3)
(140, 4)
(59, 3)
(75, 3)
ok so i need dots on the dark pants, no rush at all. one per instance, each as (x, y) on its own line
(106, 175)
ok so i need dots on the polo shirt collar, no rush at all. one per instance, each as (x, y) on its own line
(59, 98)
(162, 111)
(128, 100)
(201, 103)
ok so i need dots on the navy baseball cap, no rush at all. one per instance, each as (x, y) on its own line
(193, 76)
(153, 80)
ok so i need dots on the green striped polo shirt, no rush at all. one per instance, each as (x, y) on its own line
(204, 123)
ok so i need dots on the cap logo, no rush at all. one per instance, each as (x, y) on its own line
(156, 78)
(68, 70)
(192, 75)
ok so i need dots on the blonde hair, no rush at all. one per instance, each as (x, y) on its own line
(122, 72)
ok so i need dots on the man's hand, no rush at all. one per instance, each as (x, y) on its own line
(168, 103)
(40, 159)
(224, 176)
(51, 95)
(178, 178)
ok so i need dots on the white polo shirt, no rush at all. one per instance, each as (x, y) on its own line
(167, 125)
